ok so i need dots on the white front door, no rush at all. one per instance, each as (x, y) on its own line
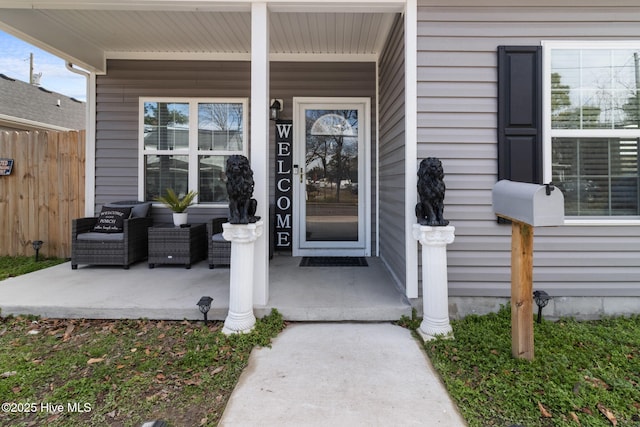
(331, 177)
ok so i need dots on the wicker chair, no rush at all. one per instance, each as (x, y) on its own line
(89, 247)
(219, 248)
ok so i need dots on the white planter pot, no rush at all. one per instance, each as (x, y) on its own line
(179, 218)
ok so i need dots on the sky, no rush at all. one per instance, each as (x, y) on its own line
(14, 63)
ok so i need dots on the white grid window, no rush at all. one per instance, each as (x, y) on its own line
(592, 127)
(185, 142)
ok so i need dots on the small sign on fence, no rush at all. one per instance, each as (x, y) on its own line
(6, 166)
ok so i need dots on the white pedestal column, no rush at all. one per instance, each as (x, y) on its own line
(242, 237)
(435, 294)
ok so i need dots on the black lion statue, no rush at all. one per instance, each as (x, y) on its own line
(242, 208)
(431, 190)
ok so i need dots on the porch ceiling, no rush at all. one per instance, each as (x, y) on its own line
(88, 36)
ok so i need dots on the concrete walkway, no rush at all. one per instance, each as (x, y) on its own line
(341, 374)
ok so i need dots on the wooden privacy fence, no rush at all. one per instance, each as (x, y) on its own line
(43, 193)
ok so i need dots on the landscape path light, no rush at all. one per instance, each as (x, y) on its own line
(204, 305)
(37, 244)
(542, 299)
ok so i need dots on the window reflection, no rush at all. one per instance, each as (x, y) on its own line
(220, 126)
(176, 147)
(166, 126)
(212, 180)
(597, 176)
(594, 88)
(331, 171)
(166, 171)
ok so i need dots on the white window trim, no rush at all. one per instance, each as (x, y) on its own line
(548, 133)
(192, 151)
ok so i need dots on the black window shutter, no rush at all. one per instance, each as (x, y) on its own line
(520, 113)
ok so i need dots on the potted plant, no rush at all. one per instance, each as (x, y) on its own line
(178, 204)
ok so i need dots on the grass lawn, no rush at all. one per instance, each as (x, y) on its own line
(58, 372)
(121, 373)
(583, 373)
(15, 266)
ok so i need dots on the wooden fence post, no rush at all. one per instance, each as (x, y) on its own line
(522, 290)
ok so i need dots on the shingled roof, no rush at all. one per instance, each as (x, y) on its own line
(28, 107)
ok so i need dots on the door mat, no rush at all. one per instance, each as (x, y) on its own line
(333, 261)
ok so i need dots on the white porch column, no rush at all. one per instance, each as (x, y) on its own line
(435, 293)
(260, 143)
(411, 143)
(240, 318)
(90, 149)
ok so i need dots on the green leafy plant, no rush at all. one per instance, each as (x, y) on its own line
(175, 203)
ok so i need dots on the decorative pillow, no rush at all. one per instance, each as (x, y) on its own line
(138, 209)
(111, 219)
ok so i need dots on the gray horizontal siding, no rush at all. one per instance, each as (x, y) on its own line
(392, 154)
(118, 94)
(457, 115)
(117, 109)
(324, 79)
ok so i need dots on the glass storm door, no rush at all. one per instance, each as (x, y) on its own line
(331, 177)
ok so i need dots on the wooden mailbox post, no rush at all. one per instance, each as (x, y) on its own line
(526, 206)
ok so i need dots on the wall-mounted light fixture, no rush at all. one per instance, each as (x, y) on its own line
(275, 107)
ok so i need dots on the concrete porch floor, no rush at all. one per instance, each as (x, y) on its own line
(171, 292)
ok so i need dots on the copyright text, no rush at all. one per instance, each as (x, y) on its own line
(47, 407)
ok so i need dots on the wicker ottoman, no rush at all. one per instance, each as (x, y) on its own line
(177, 245)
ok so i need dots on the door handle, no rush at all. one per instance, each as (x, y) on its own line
(298, 171)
